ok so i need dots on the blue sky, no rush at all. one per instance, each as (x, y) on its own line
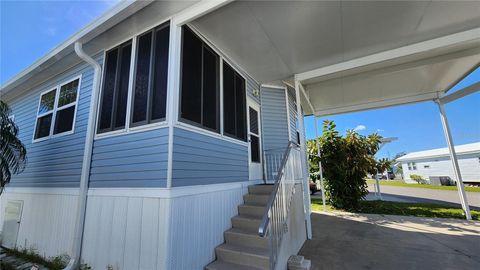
(29, 29)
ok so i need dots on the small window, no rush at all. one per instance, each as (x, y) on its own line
(56, 112)
(113, 108)
(255, 149)
(200, 92)
(426, 166)
(150, 90)
(234, 120)
(412, 166)
(254, 136)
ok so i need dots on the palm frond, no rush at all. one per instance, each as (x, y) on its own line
(13, 153)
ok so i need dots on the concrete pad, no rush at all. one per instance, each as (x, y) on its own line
(368, 241)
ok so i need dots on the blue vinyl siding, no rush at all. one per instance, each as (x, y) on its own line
(251, 87)
(201, 159)
(274, 118)
(292, 106)
(136, 159)
(54, 162)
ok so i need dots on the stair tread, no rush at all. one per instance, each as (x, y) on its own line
(249, 217)
(256, 251)
(220, 265)
(242, 231)
(252, 205)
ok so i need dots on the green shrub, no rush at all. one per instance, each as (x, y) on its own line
(346, 162)
(417, 178)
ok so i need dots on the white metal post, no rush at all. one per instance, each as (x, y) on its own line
(453, 157)
(377, 187)
(319, 153)
(306, 186)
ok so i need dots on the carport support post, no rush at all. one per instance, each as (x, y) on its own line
(453, 157)
(306, 186)
(319, 153)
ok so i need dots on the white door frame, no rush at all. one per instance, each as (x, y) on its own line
(255, 170)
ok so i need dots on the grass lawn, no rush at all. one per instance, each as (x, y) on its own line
(403, 209)
(403, 184)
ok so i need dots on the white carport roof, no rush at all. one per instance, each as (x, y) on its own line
(351, 55)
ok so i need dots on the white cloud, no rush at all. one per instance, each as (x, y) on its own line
(360, 127)
(380, 130)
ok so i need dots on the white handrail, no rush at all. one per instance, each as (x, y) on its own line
(274, 221)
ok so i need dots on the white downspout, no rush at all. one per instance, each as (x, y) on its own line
(87, 158)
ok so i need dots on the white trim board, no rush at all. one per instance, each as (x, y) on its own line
(42, 190)
(167, 192)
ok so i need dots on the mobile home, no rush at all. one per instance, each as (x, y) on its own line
(436, 163)
(151, 131)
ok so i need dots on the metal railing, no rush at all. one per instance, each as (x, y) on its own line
(273, 160)
(274, 221)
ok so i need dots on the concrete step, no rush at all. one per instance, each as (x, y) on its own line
(251, 210)
(239, 237)
(296, 262)
(256, 199)
(260, 189)
(249, 256)
(247, 223)
(220, 265)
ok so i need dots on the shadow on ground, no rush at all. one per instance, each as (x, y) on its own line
(363, 241)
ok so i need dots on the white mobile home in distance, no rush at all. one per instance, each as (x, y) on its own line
(149, 130)
(437, 163)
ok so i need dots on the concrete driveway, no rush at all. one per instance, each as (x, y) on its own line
(367, 241)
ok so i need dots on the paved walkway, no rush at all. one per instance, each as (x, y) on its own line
(368, 241)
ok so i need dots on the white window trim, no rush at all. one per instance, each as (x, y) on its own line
(197, 129)
(131, 76)
(55, 110)
(207, 132)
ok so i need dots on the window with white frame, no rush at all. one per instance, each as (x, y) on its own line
(113, 106)
(234, 111)
(56, 110)
(151, 72)
(412, 166)
(149, 82)
(200, 89)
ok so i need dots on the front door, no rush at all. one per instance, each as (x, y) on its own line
(11, 223)
(255, 148)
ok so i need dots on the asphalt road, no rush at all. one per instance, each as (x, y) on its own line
(426, 195)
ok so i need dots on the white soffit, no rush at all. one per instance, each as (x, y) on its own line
(275, 40)
(378, 81)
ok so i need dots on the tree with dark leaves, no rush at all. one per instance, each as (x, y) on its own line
(13, 154)
(346, 162)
